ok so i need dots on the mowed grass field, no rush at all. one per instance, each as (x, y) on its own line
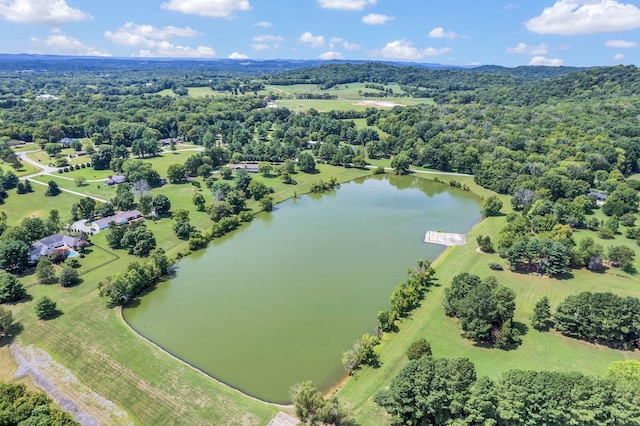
(348, 95)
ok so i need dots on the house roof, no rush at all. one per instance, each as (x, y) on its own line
(598, 195)
(115, 179)
(121, 217)
(46, 245)
(250, 167)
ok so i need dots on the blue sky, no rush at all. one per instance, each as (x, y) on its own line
(457, 32)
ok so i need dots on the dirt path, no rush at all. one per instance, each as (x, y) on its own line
(70, 394)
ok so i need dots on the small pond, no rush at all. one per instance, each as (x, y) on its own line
(278, 301)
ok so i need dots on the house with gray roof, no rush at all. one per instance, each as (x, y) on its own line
(51, 244)
(119, 218)
(115, 180)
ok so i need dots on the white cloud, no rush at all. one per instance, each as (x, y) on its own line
(213, 8)
(550, 62)
(131, 34)
(404, 50)
(524, 48)
(618, 57)
(236, 55)
(268, 37)
(331, 55)
(344, 43)
(376, 19)
(567, 17)
(439, 32)
(164, 49)
(154, 42)
(45, 12)
(346, 4)
(267, 42)
(313, 41)
(620, 44)
(263, 24)
(64, 45)
(430, 51)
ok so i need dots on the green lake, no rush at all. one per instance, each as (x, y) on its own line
(278, 301)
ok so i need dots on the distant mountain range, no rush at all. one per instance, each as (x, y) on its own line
(43, 63)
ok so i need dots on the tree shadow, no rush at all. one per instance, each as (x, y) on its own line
(15, 329)
(564, 276)
(55, 314)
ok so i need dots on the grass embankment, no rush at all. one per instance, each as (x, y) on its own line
(539, 350)
(93, 342)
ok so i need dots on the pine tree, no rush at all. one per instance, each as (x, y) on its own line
(541, 314)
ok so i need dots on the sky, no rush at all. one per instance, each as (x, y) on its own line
(452, 32)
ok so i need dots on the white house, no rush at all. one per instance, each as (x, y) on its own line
(50, 244)
(119, 218)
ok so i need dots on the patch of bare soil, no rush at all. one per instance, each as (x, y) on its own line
(70, 394)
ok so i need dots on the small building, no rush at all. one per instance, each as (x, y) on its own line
(311, 144)
(119, 218)
(250, 167)
(51, 244)
(65, 142)
(599, 197)
(115, 180)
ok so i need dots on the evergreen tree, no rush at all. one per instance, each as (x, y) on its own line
(541, 314)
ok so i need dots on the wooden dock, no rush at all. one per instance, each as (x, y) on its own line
(444, 238)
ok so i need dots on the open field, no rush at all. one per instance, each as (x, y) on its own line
(345, 91)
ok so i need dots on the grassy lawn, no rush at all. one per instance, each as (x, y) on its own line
(35, 204)
(31, 146)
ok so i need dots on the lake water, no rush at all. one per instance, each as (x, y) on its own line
(278, 301)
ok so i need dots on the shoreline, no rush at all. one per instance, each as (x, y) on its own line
(344, 379)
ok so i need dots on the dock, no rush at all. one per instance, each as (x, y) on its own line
(444, 238)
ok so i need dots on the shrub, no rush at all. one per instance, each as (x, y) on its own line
(418, 349)
(45, 308)
(495, 266)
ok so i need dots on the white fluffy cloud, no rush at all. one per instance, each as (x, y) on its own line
(45, 12)
(236, 55)
(148, 36)
(404, 50)
(439, 32)
(263, 24)
(327, 56)
(567, 17)
(618, 57)
(213, 8)
(267, 42)
(620, 44)
(376, 19)
(346, 4)
(164, 49)
(154, 42)
(65, 45)
(524, 48)
(550, 62)
(313, 41)
(342, 42)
